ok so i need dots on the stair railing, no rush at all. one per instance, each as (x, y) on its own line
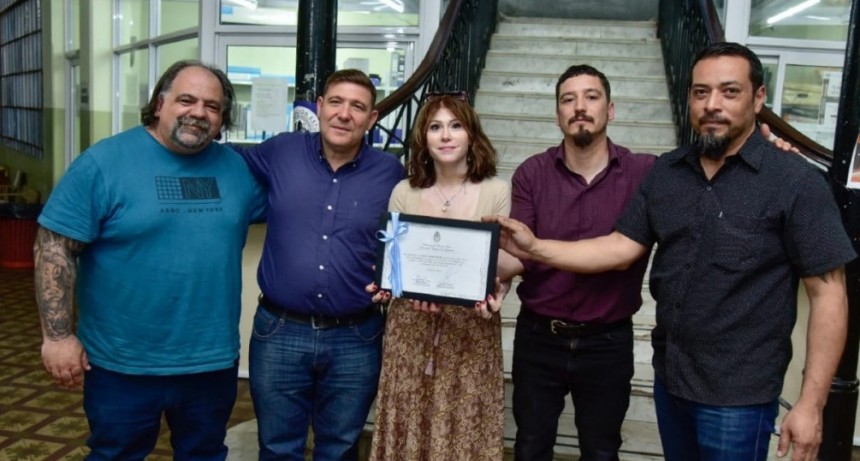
(685, 27)
(453, 62)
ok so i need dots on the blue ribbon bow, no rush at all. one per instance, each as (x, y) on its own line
(397, 229)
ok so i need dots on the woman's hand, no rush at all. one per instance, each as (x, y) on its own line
(424, 306)
(493, 303)
(379, 296)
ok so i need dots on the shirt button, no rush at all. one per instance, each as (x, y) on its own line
(334, 180)
(708, 188)
(322, 267)
(325, 237)
(328, 207)
(319, 295)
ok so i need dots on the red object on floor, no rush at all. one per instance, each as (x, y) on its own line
(16, 243)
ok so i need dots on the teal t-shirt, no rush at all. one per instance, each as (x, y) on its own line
(159, 281)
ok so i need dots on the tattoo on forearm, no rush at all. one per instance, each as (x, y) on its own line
(56, 270)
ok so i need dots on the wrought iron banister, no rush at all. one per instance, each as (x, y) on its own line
(685, 27)
(453, 62)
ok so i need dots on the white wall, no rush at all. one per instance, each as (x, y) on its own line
(250, 290)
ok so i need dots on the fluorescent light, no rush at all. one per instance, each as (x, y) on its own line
(792, 11)
(249, 4)
(396, 5)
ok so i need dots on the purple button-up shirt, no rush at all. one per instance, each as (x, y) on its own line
(320, 241)
(558, 204)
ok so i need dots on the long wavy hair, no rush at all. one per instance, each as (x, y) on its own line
(481, 158)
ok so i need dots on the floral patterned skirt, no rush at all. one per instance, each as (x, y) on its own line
(441, 392)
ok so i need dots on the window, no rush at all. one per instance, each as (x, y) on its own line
(169, 53)
(393, 13)
(72, 24)
(133, 91)
(178, 15)
(21, 76)
(810, 100)
(150, 35)
(800, 19)
(131, 21)
(245, 63)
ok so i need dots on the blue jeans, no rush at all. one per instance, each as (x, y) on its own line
(124, 413)
(596, 372)
(323, 377)
(693, 431)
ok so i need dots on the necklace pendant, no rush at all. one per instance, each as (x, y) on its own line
(444, 208)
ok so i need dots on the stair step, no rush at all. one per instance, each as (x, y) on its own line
(624, 133)
(555, 64)
(516, 103)
(523, 82)
(638, 438)
(551, 27)
(626, 109)
(624, 47)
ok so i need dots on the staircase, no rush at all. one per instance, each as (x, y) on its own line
(516, 103)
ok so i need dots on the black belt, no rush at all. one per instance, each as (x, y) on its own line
(319, 321)
(571, 329)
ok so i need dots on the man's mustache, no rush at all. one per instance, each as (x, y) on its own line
(579, 118)
(712, 119)
(190, 121)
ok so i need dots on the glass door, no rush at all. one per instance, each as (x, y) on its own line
(257, 58)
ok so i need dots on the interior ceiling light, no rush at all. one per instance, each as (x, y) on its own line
(792, 11)
(396, 5)
(250, 4)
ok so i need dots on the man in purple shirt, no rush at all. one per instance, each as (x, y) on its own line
(574, 333)
(315, 352)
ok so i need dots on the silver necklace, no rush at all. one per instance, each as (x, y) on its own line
(446, 201)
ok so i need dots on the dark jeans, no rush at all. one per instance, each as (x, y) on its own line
(693, 431)
(596, 371)
(325, 377)
(124, 413)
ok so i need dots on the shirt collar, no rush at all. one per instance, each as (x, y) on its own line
(614, 156)
(317, 140)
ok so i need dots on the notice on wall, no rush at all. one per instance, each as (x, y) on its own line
(269, 104)
(832, 84)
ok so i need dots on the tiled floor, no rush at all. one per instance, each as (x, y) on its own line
(40, 422)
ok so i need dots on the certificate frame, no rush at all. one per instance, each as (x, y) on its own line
(419, 257)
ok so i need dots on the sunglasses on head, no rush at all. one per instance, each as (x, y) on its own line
(432, 96)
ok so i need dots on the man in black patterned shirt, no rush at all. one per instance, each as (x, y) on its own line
(737, 224)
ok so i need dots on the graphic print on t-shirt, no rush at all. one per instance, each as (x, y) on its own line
(173, 189)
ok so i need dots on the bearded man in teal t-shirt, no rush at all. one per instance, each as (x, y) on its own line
(147, 228)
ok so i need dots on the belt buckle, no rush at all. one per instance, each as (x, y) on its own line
(321, 322)
(556, 323)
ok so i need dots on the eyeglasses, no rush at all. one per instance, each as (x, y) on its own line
(460, 95)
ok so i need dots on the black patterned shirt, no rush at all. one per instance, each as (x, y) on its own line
(730, 253)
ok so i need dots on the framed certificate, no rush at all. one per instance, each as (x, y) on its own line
(446, 261)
